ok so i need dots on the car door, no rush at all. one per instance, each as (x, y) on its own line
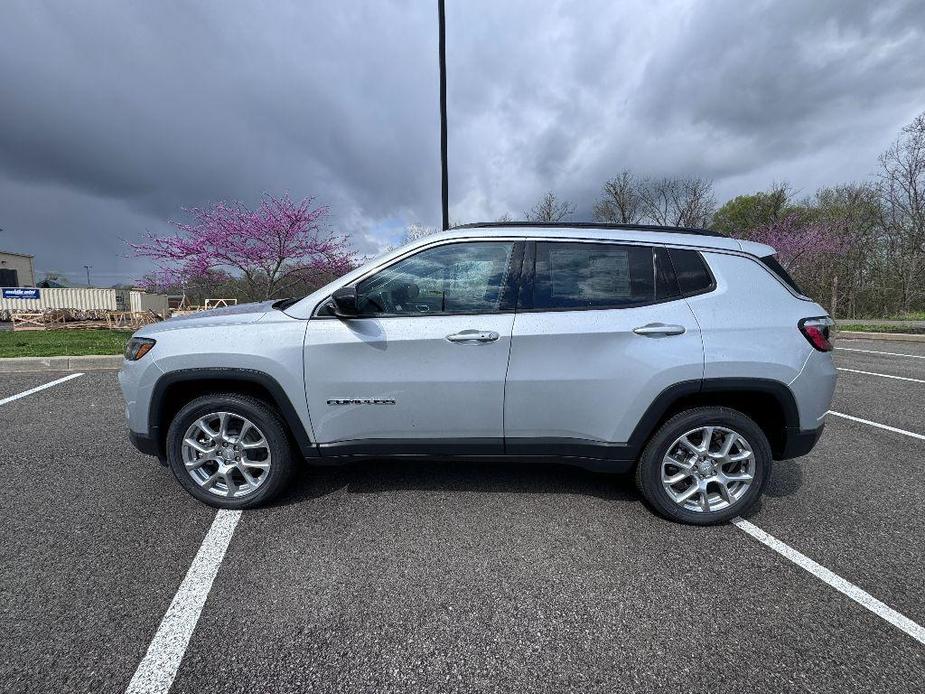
(422, 368)
(601, 330)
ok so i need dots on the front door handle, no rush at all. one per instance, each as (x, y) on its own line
(465, 336)
(656, 329)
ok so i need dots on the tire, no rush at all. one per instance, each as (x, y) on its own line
(728, 493)
(275, 456)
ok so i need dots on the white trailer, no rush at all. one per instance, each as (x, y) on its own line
(79, 299)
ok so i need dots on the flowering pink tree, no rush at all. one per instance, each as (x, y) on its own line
(799, 242)
(810, 249)
(272, 248)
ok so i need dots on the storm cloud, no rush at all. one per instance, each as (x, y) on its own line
(117, 115)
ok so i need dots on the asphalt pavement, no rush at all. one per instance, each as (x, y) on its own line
(431, 577)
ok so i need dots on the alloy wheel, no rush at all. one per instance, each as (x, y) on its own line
(708, 469)
(226, 454)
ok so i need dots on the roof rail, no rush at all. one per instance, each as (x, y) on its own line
(593, 225)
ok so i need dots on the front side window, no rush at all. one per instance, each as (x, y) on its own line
(456, 278)
(591, 275)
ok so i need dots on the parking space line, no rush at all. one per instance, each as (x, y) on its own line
(873, 351)
(873, 373)
(877, 424)
(23, 394)
(156, 672)
(860, 596)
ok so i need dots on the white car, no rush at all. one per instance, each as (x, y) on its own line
(689, 358)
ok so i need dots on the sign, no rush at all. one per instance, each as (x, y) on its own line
(20, 293)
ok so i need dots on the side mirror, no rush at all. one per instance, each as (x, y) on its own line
(345, 302)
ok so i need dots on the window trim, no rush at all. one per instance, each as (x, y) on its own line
(527, 273)
(529, 282)
(669, 267)
(507, 303)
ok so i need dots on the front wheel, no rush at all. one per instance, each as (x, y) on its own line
(229, 450)
(705, 466)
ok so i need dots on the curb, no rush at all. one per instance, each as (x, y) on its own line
(888, 337)
(84, 363)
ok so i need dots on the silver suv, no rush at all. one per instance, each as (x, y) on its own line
(688, 358)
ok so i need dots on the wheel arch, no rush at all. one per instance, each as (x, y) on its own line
(770, 403)
(176, 388)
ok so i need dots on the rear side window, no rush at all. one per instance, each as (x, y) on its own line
(771, 262)
(590, 275)
(691, 271)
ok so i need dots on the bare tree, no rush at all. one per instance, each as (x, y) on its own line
(902, 187)
(681, 202)
(550, 209)
(854, 212)
(413, 232)
(695, 203)
(621, 202)
(656, 198)
(416, 232)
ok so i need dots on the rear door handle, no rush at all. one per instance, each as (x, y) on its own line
(655, 329)
(465, 336)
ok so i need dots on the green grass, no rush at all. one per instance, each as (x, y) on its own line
(57, 343)
(874, 328)
(911, 315)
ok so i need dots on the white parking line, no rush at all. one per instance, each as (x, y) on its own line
(860, 596)
(877, 424)
(873, 351)
(158, 668)
(873, 373)
(23, 394)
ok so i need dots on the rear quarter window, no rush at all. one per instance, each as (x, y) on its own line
(691, 271)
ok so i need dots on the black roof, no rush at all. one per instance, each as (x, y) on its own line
(592, 225)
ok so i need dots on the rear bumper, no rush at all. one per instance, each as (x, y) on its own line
(799, 442)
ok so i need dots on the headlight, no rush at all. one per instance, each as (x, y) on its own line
(137, 347)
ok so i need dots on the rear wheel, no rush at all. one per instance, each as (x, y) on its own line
(229, 450)
(705, 466)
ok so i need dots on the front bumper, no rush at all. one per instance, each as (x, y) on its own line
(146, 444)
(799, 442)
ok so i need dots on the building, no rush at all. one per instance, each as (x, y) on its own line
(16, 270)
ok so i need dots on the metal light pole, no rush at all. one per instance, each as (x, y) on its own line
(444, 182)
(87, 267)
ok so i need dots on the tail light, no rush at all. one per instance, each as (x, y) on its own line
(816, 332)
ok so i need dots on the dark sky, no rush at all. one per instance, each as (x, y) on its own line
(115, 115)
